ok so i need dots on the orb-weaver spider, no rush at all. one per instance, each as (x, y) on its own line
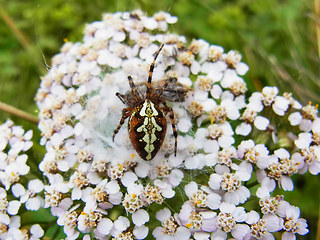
(146, 111)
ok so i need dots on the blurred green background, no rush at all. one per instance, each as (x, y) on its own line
(278, 39)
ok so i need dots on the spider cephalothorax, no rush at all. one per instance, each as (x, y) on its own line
(146, 110)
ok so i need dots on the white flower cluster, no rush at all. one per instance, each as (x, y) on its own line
(14, 142)
(104, 188)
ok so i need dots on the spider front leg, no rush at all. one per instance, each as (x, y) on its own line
(134, 92)
(169, 110)
(126, 112)
(124, 99)
(164, 86)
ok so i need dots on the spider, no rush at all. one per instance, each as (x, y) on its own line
(147, 111)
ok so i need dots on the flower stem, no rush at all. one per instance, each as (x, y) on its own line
(252, 184)
(17, 112)
(317, 13)
(318, 228)
(20, 36)
(56, 233)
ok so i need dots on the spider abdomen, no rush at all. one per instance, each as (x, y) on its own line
(147, 129)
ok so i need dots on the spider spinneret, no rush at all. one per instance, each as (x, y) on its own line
(147, 111)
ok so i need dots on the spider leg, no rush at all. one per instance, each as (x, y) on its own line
(135, 94)
(169, 110)
(151, 72)
(123, 98)
(164, 86)
(126, 112)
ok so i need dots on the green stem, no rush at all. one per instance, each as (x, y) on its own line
(56, 233)
(249, 185)
(317, 12)
(19, 35)
(17, 112)
(44, 223)
(318, 228)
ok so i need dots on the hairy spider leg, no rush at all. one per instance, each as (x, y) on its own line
(169, 110)
(126, 112)
(124, 99)
(134, 92)
(151, 72)
(165, 85)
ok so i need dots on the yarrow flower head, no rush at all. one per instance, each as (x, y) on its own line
(17, 191)
(106, 179)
